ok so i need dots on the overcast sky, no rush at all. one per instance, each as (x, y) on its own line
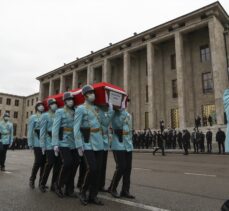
(37, 36)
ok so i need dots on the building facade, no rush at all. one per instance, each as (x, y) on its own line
(19, 108)
(172, 72)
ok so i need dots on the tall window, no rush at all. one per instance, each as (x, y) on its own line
(16, 103)
(205, 53)
(147, 94)
(27, 102)
(27, 114)
(173, 61)
(174, 88)
(0, 100)
(15, 129)
(207, 82)
(32, 102)
(8, 101)
(15, 115)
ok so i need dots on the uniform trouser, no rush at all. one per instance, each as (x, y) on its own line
(3, 153)
(93, 160)
(39, 163)
(103, 170)
(221, 144)
(209, 146)
(70, 163)
(162, 150)
(82, 172)
(54, 162)
(196, 146)
(123, 160)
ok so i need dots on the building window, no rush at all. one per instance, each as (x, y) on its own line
(15, 129)
(15, 115)
(205, 53)
(27, 114)
(147, 94)
(8, 101)
(207, 82)
(173, 61)
(31, 112)
(16, 103)
(36, 99)
(146, 119)
(0, 100)
(174, 88)
(32, 102)
(27, 102)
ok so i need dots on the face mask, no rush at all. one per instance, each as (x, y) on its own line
(70, 103)
(40, 108)
(53, 107)
(91, 97)
(6, 119)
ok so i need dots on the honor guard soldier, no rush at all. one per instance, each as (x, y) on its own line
(89, 141)
(106, 113)
(34, 143)
(63, 142)
(52, 161)
(6, 138)
(122, 147)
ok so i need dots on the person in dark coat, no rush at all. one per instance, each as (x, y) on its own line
(209, 140)
(202, 139)
(210, 120)
(160, 143)
(186, 139)
(220, 138)
(179, 139)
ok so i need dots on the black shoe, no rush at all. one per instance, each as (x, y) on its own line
(103, 190)
(96, 201)
(31, 184)
(83, 199)
(42, 188)
(71, 195)
(59, 192)
(127, 195)
(115, 194)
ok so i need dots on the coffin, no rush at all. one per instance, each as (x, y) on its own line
(104, 93)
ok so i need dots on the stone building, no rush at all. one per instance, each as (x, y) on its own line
(19, 108)
(172, 72)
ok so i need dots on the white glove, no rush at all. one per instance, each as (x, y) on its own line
(56, 150)
(43, 151)
(80, 151)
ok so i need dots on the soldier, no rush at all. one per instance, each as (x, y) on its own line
(34, 143)
(220, 138)
(160, 143)
(63, 142)
(52, 161)
(90, 144)
(106, 115)
(122, 148)
(209, 140)
(185, 138)
(6, 131)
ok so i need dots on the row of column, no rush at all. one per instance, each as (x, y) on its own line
(219, 68)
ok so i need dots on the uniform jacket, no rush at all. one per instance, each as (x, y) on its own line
(64, 118)
(46, 130)
(33, 126)
(6, 130)
(122, 120)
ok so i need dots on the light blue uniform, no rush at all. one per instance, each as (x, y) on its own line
(6, 129)
(226, 107)
(106, 117)
(87, 116)
(64, 118)
(46, 130)
(122, 120)
(34, 124)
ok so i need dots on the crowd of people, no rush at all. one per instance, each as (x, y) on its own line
(177, 139)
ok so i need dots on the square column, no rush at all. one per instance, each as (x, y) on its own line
(51, 87)
(126, 71)
(180, 78)
(74, 79)
(150, 69)
(219, 65)
(106, 71)
(41, 91)
(62, 84)
(90, 74)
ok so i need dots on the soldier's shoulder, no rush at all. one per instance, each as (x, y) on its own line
(80, 108)
(60, 111)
